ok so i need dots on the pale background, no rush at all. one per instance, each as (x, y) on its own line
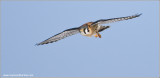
(127, 49)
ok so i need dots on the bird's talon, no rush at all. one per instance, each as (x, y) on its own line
(96, 35)
(99, 35)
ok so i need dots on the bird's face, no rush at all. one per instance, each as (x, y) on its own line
(88, 29)
(85, 30)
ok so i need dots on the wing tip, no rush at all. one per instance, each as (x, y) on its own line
(45, 42)
(42, 43)
(38, 44)
(138, 14)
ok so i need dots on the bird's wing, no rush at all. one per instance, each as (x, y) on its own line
(105, 21)
(60, 36)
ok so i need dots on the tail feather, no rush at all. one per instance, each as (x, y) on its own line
(103, 28)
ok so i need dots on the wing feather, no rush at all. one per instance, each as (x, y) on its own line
(105, 21)
(60, 36)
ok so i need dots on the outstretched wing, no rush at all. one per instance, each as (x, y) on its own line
(60, 36)
(105, 21)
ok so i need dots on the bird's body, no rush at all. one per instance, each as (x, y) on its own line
(88, 29)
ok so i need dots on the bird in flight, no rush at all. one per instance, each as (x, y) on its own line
(87, 29)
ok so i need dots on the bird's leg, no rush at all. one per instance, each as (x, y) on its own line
(97, 35)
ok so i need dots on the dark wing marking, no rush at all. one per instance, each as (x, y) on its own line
(105, 21)
(103, 28)
(60, 36)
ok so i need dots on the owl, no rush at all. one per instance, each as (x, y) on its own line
(88, 29)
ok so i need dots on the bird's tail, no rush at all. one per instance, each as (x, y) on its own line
(103, 28)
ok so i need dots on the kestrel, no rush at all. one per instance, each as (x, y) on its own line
(87, 29)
